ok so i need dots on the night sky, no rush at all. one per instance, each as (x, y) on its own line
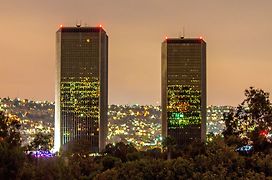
(238, 36)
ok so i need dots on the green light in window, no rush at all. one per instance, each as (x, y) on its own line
(177, 115)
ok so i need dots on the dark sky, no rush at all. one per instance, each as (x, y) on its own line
(238, 35)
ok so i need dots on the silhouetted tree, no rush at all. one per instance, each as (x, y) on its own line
(11, 153)
(251, 117)
(110, 162)
(9, 130)
(120, 150)
(41, 142)
(154, 153)
(231, 125)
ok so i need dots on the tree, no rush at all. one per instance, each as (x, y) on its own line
(11, 153)
(9, 130)
(251, 117)
(154, 153)
(110, 162)
(42, 141)
(169, 144)
(120, 150)
(231, 125)
(257, 107)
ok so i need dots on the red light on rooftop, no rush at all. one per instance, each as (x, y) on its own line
(166, 37)
(200, 37)
(61, 26)
(100, 25)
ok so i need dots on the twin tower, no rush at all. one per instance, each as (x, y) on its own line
(81, 90)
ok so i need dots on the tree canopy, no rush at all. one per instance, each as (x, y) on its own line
(251, 121)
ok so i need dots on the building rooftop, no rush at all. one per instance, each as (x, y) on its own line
(184, 40)
(79, 28)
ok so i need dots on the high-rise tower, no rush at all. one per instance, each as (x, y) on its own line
(81, 91)
(184, 89)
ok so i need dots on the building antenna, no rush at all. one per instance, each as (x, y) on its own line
(78, 24)
(182, 34)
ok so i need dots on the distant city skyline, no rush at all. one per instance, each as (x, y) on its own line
(237, 32)
(123, 122)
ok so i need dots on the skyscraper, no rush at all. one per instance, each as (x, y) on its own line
(184, 89)
(81, 91)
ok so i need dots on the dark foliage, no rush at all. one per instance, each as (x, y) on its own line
(41, 142)
(120, 150)
(216, 159)
(11, 154)
(252, 117)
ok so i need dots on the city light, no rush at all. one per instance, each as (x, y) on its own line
(140, 125)
(245, 149)
(41, 154)
(263, 133)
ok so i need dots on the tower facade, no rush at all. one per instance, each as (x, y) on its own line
(183, 92)
(81, 90)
